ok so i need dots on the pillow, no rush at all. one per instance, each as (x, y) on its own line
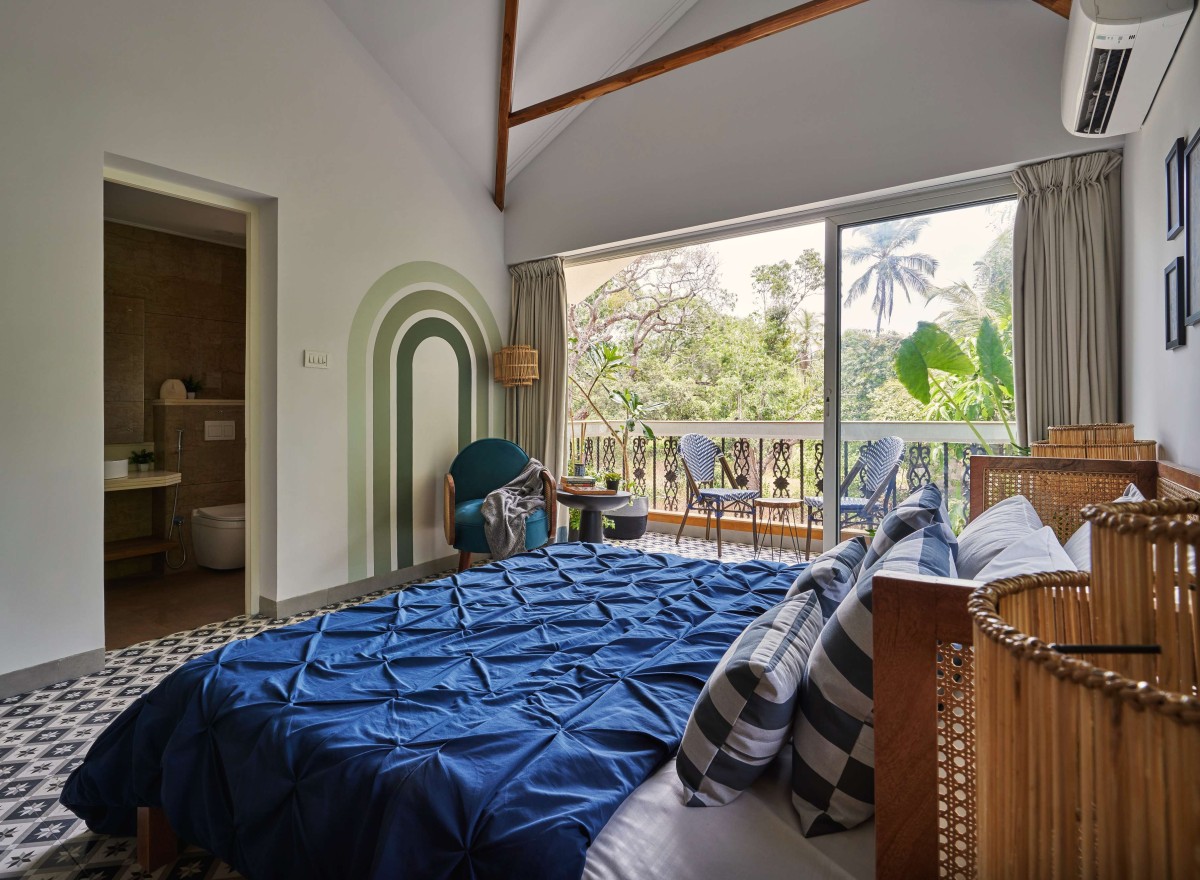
(832, 574)
(922, 508)
(744, 714)
(1079, 545)
(833, 745)
(1037, 552)
(1000, 526)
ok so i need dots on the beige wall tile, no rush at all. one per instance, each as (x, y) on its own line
(123, 422)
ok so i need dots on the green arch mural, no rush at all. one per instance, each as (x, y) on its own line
(369, 374)
(426, 328)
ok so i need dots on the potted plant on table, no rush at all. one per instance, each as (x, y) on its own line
(192, 385)
(141, 460)
(612, 481)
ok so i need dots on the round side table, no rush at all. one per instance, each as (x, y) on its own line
(591, 512)
(783, 513)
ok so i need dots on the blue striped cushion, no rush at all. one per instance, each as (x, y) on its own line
(833, 744)
(744, 714)
(922, 508)
(831, 575)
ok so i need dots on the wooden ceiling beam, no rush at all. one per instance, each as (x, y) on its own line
(773, 24)
(1062, 7)
(508, 53)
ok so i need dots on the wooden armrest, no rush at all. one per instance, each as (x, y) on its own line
(910, 614)
(550, 492)
(448, 512)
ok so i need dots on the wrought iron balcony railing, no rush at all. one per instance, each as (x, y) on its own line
(786, 459)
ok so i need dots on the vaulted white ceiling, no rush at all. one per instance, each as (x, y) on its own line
(445, 55)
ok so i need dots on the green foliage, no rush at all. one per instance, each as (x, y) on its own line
(142, 456)
(976, 381)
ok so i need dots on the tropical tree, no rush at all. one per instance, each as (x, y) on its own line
(890, 264)
(990, 297)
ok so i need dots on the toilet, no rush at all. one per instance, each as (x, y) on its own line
(219, 536)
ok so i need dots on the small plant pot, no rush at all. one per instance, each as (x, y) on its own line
(614, 485)
(628, 521)
(142, 467)
(191, 395)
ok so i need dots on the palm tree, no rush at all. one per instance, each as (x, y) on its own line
(889, 266)
(989, 297)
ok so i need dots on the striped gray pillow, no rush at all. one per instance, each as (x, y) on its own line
(832, 574)
(922, 508)
(744, 714)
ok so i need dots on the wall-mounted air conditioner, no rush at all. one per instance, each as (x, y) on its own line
(1117, 53)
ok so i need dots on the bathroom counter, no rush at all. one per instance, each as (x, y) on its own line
(143, 480)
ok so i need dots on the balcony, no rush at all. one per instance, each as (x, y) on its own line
(786, 460)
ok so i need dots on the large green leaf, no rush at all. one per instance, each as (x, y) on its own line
(929, 348)
(939, 350)
(994, 365)
(911, 370)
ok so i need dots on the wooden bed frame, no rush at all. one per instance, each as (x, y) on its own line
(924, 681)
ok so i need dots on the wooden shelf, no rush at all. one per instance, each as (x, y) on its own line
(143, 480)
(132, 548)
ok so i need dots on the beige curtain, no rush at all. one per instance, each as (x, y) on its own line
(536, 416)
(1067, 293)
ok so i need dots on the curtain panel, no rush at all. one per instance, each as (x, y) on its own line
(536, 416)
(1067, 293)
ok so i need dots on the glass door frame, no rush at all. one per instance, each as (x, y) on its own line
(960, 195)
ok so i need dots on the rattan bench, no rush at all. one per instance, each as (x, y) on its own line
(924, 666)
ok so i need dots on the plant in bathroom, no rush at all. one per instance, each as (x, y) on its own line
(192, 385)
(142, 459)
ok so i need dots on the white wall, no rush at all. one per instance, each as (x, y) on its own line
(890, 93)
(1161, 389)
(273, 96)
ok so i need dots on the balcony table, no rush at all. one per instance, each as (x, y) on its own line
(591, 512)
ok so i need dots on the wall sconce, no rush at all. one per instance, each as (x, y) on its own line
(515, 365)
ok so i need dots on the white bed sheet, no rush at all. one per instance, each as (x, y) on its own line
(653, 835)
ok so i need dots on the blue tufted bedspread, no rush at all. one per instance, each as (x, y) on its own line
(483, 726)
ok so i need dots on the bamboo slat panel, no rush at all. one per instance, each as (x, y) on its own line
(1103, 433)
(1134, 450)
(1089, 765)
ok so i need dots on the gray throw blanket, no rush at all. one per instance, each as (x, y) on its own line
(505, 509)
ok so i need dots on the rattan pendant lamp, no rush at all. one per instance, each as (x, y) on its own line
(515, 366)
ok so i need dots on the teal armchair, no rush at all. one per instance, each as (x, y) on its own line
(480, 468)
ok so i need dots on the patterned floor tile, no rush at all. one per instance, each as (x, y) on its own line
(45, 733)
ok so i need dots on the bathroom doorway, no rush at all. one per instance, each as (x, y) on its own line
(177, 296)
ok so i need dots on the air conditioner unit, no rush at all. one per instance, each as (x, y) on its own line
(1117, 54)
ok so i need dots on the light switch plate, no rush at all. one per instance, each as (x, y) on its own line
(317, 360)
(220, 430)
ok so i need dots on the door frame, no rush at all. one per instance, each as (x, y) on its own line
(942, 198)
(254, 394)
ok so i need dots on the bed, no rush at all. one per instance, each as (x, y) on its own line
(487, 725)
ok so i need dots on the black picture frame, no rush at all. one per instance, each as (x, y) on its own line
(1176, 189)
(1173, 277)
(1191, 213)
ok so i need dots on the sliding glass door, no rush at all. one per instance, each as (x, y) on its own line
(922, 294)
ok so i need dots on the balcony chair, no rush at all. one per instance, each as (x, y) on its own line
(699, 456)
(480, 468)
(878, 465)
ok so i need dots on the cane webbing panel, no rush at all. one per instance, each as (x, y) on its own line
(1169, 490)
(1057, 496)
(956, 761)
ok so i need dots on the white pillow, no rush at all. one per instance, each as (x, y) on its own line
(1079, 545)
(988, 534)
(1036, 553)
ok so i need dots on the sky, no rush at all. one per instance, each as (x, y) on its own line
(955, 238)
